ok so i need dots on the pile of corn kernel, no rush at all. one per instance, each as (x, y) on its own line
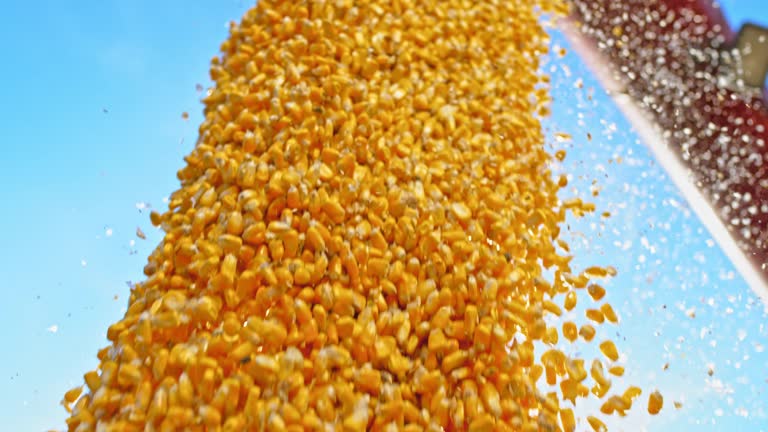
(361, 238)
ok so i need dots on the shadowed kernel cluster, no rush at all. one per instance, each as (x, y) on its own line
(361, 237)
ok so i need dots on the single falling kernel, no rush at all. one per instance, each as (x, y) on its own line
(570, 301)
(609, 313)
(595, 315)
(596, 291)
(560, 155)
(359, 237)
(609, 350)
(596, 424)
(616, 370)
(71, 396)
(568, 420)
(595, 271)
(655, 402)
(185, 115)
(631, 393)
(587, 332)
(570, 331)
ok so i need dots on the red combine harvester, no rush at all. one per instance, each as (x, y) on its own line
(694, 91)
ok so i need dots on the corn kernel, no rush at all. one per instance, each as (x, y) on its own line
(595, 315)
(631, 393)
(71, 395)
(609, 313)
(596, 291)
(655, 402)
(616, 370)
(93, 381)
(568, 420)
(596, 424)
(482, 424)
(609, 350)
(570, 331)
(570, 301)
(587, 332)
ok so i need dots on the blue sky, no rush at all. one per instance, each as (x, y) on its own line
(91, 134)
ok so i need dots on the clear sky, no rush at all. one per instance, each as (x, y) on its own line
(91, 135)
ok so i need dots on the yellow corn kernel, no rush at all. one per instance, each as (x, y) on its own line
(454, 360)
(93, 381)
(230, 243)
(609, 350)
(596, 424)
(598, 373)
(345, 326)
(595, 315)
(553, 308)
(186, 391)
(255, 234)
(632, 392)
(615, 404)
(551, 336)
(491, 399)
(159, 405)
(609, 313)
(596, 291)
(570, 301)
(314, 239)
(290, 243)
(655, 402)
(461, 211)
(587, 332)
(128, 375)
(335, 211)
(567, 419)
(71, 395)
(377, 267)
(616, 370)
(596, 271)
(570, 331)
(210, 416)
(575, 369)
(482, 336)
(483, 423)
(179, 416)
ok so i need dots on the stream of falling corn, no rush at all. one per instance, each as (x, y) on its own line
(361, 238)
